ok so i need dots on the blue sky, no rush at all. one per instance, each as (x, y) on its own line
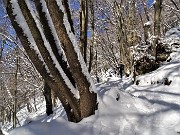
(149, 3)
(74, 4)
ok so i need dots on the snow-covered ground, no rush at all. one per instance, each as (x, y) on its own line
(151, 106)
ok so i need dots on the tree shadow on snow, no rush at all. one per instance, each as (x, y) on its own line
(121, 84)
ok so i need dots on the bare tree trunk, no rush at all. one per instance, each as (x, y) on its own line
(3, 105)
(175, 4)
(87, 98)
(146, 27)
(54, 97)
(92, 36)
(28, 107)
(145, 10)
(48, 99)
(48, 33)
(1, 51)
(60, 88)
(157, 26)
(67, 10)
(3, 117)
(75, 109)
(84, 28)
(34, 94)
(96, 65)
(123, 37)
(15, 90)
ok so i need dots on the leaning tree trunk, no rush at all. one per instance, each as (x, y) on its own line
(87, 96)
(68, 12)
(53, 41)
(58, 85)
(46, 61)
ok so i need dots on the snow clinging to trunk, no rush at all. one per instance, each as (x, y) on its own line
(55, 61)
(76, 48)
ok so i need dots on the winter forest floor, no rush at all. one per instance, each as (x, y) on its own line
(150, 108)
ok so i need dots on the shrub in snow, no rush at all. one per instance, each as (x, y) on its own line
(167, 81)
